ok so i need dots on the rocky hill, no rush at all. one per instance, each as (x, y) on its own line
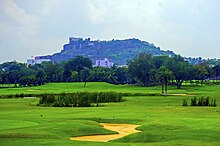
(118, 51)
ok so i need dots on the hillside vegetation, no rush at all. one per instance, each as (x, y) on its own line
(118, 51)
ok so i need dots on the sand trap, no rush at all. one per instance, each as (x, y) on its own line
(122, 129)
(33, 90)
(182, 94)
(29, 97)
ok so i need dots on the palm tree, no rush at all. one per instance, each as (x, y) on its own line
(112, 78)
(164, 75)
(85, 73)
(159, 77)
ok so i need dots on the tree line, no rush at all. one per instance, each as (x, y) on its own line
(145, 70)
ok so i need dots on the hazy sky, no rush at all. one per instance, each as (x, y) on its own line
(41, 27)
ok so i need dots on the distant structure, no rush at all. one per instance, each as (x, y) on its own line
(38, 60)
(104, 63)
(118, 51)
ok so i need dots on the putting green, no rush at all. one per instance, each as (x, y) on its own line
(11, 124)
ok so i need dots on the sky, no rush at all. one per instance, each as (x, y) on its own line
(28, 28)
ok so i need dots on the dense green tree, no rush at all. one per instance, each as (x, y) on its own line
(9, 66)
(27, 81)
(53, 71)
(179, 67)
(5, 78)
(98, 74)
(114, 75)
(140, 68)
(11, 72)
(74, 76)
(67, 76)
(191, 73)
(144, 69)
(14, 77)
(23, 81)
(216, 70)
(76, 64)
(1, 74)
(160, 61)
(26, 71)
(40, 77)
(202, 72)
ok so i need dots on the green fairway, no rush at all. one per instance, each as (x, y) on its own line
(163, 119)
(100, 86)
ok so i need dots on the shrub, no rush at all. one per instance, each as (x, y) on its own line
(185, 103)
(213, 103)
(202, 101)
(21, 95)
(193, 101)
(47, 99)
(79, 99)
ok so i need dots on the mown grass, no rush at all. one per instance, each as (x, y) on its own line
(163, 118)
(57, 88)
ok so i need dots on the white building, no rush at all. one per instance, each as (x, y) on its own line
(38, 60)
(30, 62)
(104, 63)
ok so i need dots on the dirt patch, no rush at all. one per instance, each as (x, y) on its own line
(182, 94)
(122, 129)
(32, 90)
(29, 97)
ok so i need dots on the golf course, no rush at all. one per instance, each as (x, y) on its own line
(144, 117)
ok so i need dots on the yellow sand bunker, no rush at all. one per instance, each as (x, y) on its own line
(122, 129)
(181, 94)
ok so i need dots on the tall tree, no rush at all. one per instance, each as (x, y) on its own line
(40, 77)
(98, 74)
(53, 71)
(11, 72)
(121, 75)
(74, 75)
(76, 64)
(141, 67)
(1, 74)
(216, 70)
(164, 75)
(14, 77)
(85, 73)
(160, 61)
(179, 67)
(202, 72)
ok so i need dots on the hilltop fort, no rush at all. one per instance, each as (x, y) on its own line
(117, 51)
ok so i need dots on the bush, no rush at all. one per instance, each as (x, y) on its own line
(79, 99)
(194, 101)
(185, 103)
(47, 99)
(22, 95)
(202, 101)
(213, 103)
